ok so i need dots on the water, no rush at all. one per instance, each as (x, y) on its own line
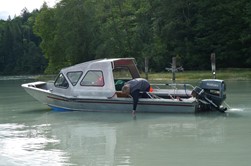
(32, 134)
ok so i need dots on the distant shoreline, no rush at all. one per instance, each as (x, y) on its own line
(224, 74)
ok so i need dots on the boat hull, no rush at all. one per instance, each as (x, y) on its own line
(59, 102)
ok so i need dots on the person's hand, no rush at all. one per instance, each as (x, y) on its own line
(134, 114)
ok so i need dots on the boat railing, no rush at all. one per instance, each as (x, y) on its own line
(172, 90)
(173, 85)
(153, 96)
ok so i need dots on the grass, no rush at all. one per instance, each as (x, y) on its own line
(224, 74)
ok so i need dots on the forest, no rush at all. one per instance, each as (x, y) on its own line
(74, 31)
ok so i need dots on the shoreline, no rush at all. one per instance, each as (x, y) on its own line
(226, 74)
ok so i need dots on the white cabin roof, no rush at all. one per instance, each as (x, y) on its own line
(104, 66)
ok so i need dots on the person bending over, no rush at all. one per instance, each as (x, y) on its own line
(134, 87)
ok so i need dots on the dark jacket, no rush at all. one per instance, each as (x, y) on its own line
(136, 86)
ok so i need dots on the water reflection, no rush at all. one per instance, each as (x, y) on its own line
(86, 138)
(201, 128)
(116, 139)
(31, 134)
(27, 145)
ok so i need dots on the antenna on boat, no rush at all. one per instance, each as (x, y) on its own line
(213, 65)
(174, 69)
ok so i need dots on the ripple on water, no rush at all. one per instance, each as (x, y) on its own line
(29, 145)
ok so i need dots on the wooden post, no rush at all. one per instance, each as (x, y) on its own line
(213, 65)
(173, 68)
(146, 67)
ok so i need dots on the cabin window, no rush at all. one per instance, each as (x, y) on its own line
(74, 77)
(93, 78)
(61, 82)
(122, 73)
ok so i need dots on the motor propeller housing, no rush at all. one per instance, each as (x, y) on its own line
(211, 92)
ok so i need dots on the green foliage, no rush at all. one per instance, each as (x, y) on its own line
(80, 30)
(19, 50)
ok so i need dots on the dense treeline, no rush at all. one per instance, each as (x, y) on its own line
(19, 47)
(79, 30)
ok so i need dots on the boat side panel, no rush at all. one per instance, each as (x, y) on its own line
(120, 105)
(115, 104)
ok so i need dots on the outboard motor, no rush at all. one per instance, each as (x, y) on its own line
(211, 92)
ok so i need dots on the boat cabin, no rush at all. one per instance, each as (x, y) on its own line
(97, 78)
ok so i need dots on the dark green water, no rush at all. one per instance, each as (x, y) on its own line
(32, 134)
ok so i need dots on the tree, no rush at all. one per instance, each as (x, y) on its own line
(16, 39)
(80, 30)
(45, 27)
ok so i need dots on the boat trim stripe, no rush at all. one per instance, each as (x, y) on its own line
(115, 102)
(56, 98)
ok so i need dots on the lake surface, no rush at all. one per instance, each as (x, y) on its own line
(32, 134)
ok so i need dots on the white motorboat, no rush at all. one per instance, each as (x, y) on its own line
(96, 86)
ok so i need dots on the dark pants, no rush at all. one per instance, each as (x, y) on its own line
(136, 95)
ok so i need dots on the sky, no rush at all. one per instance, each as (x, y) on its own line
(14, 7)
